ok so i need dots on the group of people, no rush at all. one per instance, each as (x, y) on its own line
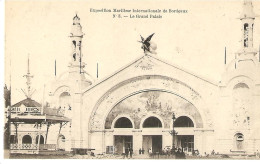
(180, 154)
(141, 151)
(128, 152)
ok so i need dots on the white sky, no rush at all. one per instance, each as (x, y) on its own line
(195, 41)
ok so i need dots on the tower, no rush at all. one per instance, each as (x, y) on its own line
(76, 65)
(246, 55)
(28, 77)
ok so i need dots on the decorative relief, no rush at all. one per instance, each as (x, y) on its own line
(147, 104)
(153, 102)
(242, 101)
(145, 64)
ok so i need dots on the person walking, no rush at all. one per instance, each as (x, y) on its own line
(178, 154)
(126, 152)
(182, 155)
(131, 152)
(150, 152)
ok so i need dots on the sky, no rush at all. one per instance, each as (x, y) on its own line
(195, 40)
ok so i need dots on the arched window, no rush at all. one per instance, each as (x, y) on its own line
(123, 122)
(41, 139)
(241, 85)
(74, 44)
(64, 100)
(27, 139)
(242, 101)
(183, 121)
(246, 29)
(239, 140)
(152, 122)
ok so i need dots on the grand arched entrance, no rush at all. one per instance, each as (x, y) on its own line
(147, 116)
(184, 140)
(152, 143)
(122, 141)
(144, 107)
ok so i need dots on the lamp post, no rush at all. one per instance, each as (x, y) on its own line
(173, 132)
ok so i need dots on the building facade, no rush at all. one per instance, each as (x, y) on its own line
(134, 106)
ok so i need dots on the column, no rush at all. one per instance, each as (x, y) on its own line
(137, 141)
(166, 139)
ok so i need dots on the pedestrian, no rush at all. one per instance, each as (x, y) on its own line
(140, 151)
(182, 155)
(126, 152)
(213, 152)
(150, 152)
(131, 152)
(178, 154)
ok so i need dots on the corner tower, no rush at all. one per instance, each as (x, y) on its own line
(246, 56)
(76, 65)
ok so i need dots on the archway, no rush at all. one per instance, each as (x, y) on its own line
(27, 139)
(64, 100)
(152, 122)
(123, 122)
(142, 96)
(152, 143)
(183, 121)
(184, 141)
(123, 142)
(239, 141)
(41, 139)
(242, 103)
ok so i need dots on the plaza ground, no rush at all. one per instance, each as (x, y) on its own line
(108, 156)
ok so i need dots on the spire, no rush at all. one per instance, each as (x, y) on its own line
(76, 38)
(247, 10)
(28, 77)
(76, 20)
(76, 65)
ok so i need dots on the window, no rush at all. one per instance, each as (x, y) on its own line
(64, 101)
(27, 139)
(123, 122)
(239, 141)
(246, 35)
(74, 44)
(152, 122)
(41, 139)
(183, 121)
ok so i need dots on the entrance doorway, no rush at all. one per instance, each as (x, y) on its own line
(186, 142)
(122, 142)
(153, 142)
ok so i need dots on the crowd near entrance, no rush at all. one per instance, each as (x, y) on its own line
(122, 143)
(152, 143)
(152, 136)
(186, 142)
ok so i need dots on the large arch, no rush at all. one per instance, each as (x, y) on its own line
(138, 115)
(141, 84)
